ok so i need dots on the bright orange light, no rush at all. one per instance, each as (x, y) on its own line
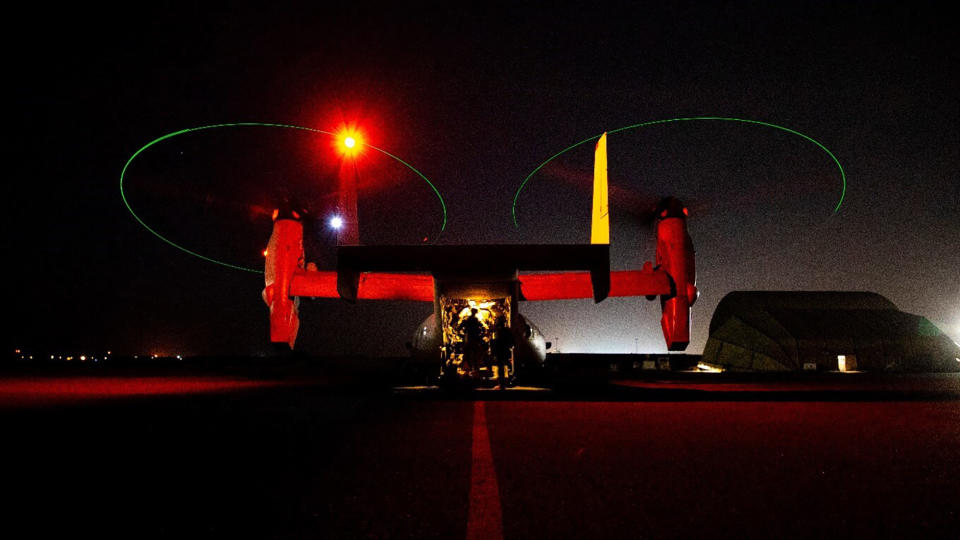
(349, 144)
(265, 252)
(349, 141)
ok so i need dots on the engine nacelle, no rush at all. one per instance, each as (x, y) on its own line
(675, 255)
(283, 257)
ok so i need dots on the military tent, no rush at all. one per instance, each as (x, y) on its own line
(826, 331)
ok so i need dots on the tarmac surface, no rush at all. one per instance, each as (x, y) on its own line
(301, 453)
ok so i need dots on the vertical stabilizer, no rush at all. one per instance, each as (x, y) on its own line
(348, 234)
(600, 222)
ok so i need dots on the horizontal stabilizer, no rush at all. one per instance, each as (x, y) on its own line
(472, 259)
(478, 260)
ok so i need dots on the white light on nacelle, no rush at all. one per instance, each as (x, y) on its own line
(336, 222)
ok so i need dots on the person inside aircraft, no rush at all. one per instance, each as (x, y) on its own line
(502, 349)
(472, 330)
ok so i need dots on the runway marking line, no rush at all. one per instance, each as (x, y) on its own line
(485, 519)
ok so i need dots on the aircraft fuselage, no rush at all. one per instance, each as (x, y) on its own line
(487, 297)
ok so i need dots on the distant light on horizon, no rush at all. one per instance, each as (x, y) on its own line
(952, 331)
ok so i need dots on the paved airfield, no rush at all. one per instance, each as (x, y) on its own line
(300, 453)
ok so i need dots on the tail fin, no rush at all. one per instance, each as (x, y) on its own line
(600, 222)
(348, 232)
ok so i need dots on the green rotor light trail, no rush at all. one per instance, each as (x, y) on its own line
(123, 173)
(843, 176)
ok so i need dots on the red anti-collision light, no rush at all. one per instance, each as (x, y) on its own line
(349, 142)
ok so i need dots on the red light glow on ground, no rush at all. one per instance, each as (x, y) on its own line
(45, 391)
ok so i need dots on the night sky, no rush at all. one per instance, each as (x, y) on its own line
(475, 100)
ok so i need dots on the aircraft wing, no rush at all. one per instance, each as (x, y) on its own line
(572, 285)
(370, 286)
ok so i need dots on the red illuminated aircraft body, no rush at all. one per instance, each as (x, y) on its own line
(490, 279)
